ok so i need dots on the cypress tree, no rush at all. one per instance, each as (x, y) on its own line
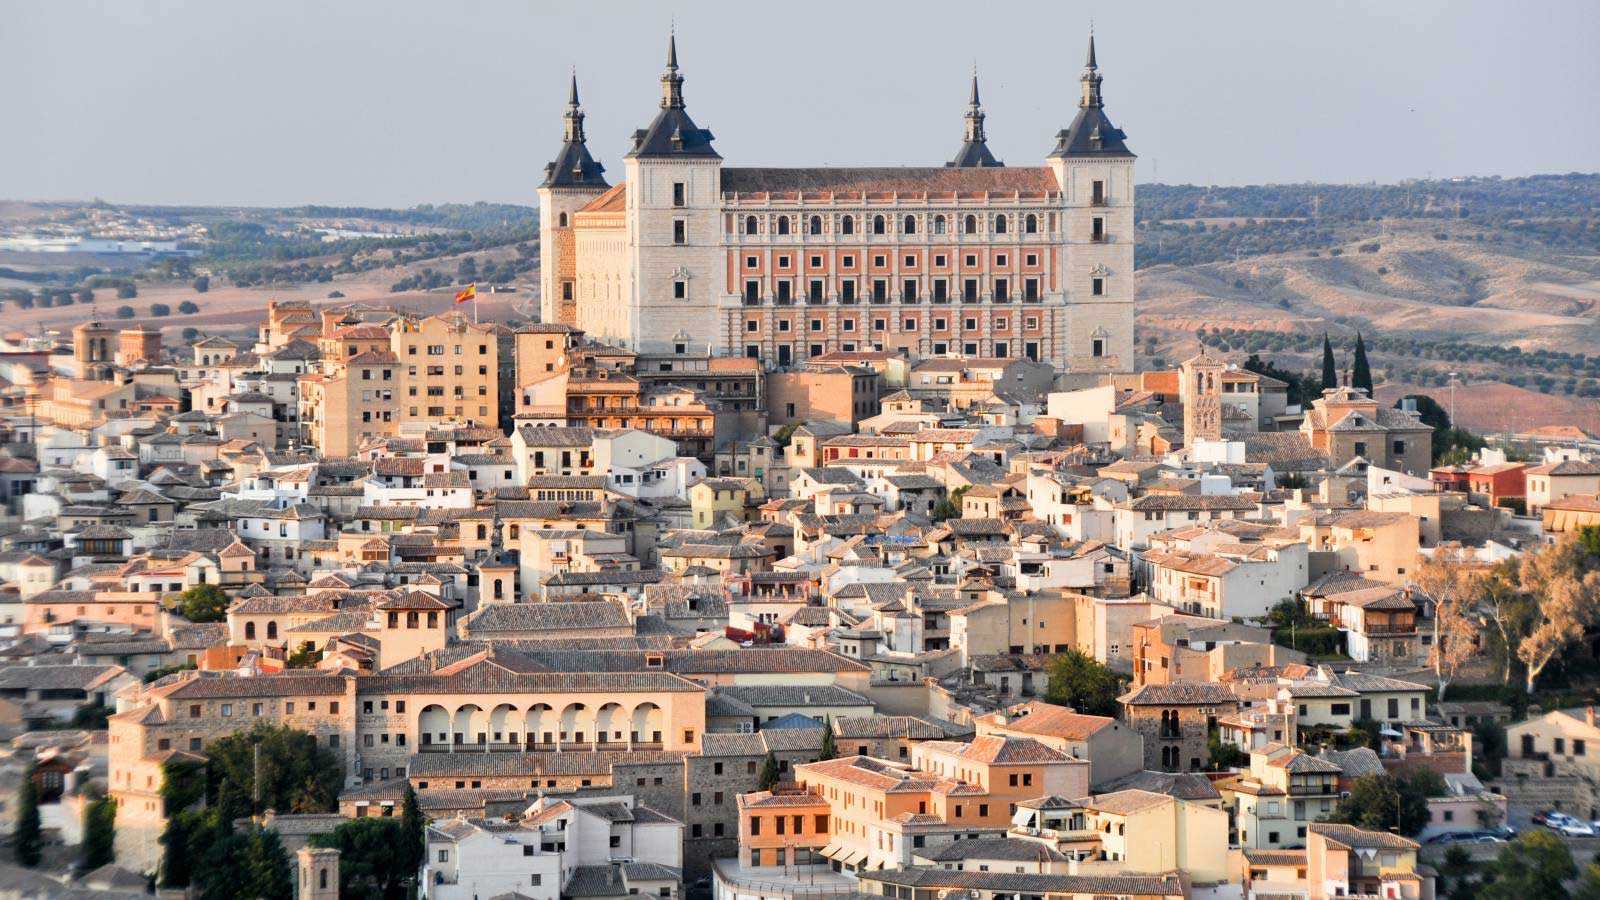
(769, 773)
(830, 747)
(27, 841)
(414, 826)
(99, 834)
(1330, 372)
(1360, 372)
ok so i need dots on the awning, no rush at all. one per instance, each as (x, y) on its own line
(853, 857)
(830, 851)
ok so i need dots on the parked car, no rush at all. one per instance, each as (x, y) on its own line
(1449, 837)
(1484, 837)
(1573, 828)
(1542, 818)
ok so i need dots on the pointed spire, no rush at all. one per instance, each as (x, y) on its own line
(671, 81)
(974, 151)
(1091, 78)
(573, 166)
(574, 113)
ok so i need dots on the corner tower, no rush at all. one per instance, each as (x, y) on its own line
(674, 226)
(1094, 169)
(570, 181)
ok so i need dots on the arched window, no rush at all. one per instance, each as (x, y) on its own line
(783, 224)
(1031, 224)
(938, 225)
(999, 224)
(272, 631)
(562, 221)
(750, 225)
(249, 631)
(848, 225)
(816, 224)
(878, 225)
(970, 226)
(911, 225)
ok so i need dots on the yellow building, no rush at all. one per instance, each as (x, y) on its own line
(451, 370)
(711, 499)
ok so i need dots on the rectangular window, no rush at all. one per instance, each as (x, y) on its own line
(679, 193)
(680, 290)
(680, 231)
(1097, 287)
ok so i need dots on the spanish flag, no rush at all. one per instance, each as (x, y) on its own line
(471, 293)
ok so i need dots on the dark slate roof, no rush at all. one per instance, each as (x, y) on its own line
(1091, 133)
(672, 133)
(573, 166)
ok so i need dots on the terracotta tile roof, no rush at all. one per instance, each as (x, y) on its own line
(888, 180)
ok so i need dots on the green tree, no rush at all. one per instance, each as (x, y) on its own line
(127, 291)
(27, 842)
(297, 774)
(125, 312)
(1380, 802)
(160, 310)
(306, 656)
(203, 603)
(85, 295)
(373, 858)
(1225, 755)
(183, 785)
(830, 747)
(250, 864)
(1360, 371)
(1536, 864)
(1330, 369)
(202, 283)
(769, 773)
(414, 831)
(188, 307)
(99, 834)
(1081, 682)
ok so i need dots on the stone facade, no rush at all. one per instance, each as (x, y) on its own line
(972, 258)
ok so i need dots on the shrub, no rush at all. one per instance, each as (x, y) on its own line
(188, 307)
(126, 291)
(160, 309)
(125, 312)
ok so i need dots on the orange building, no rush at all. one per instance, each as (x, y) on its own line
(862, 813)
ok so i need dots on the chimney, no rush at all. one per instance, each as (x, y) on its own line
(1588, 716)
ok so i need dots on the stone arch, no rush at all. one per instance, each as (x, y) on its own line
(433, 725)
(611, 724)
(575, 723)
(647, 723)
(469, 725)
(503, 724)
(540, 724)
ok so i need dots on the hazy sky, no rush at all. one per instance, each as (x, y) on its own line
(400, 102)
